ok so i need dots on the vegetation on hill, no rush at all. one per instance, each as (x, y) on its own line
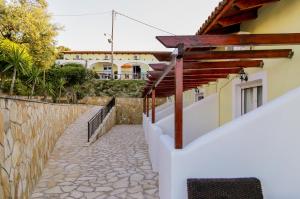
(28, 54)
(116, 88)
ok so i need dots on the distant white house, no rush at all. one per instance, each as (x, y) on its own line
(127, 64)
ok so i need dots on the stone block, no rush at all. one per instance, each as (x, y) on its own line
(2, 133)
(5, 184)
(28, 133)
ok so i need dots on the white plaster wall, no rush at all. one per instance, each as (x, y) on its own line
(145, 126)
(198, 119)
(154, 133)
(165, 112)
(163, 106)
(152, 136)
(264, 143)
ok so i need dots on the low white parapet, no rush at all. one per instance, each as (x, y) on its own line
(264, 143)
(198, 118)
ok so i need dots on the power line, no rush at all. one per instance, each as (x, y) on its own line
(121, 14)
(144, 23)
(82, 15)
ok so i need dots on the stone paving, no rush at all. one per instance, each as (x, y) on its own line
(115, 166)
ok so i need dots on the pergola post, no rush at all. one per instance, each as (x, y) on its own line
(153, 106)
(178, 102)
(147, 105)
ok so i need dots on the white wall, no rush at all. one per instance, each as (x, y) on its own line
(264, 143)
(198, 119)
(163, 106)
(152, 136)
(165, 112)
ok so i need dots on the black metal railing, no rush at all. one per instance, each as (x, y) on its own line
(98, 118)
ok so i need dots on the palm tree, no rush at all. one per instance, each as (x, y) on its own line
(48, 90)
(34, 78)
(16, 58)
(61, 83)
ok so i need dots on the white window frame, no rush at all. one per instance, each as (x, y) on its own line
(254, 80)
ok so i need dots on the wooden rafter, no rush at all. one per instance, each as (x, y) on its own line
(213, 64)
(204, 71)
(242, 54)
(238, 18)
(246, 4)
(184, 80)
(190, 41)
(194, 76)
(231, 8)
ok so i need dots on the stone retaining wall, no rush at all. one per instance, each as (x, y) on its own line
(98, 101)
(129, 110)
(28, 133)
(107, 124)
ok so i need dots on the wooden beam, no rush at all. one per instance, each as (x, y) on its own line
(172, 91)
(150, 83)
(194, 76)
(213, 64)
(238, 18)
(246, 4)
(225, 30)
(169, 86)
(191, 41)
(153, 106)
(243, 54)
(159, 66)
(204, 71)
(163, 56)
(178, 103)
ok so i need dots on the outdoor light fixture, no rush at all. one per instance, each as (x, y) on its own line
(243, 75)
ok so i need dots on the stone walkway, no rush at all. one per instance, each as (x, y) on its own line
(115, 166)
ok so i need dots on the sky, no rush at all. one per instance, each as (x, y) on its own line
(180, 17)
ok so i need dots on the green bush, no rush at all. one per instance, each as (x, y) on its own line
(118, 88)
(20, 88)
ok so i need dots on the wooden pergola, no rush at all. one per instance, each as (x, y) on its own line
(195, 62)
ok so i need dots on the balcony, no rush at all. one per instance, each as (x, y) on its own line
(103, 75)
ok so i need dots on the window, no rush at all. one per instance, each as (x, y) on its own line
(247, 96)
(136, 57)
(107, 72)
(77, 57)
(251, 98)
(107, 69)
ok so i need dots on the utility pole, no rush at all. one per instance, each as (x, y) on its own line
(112, 41)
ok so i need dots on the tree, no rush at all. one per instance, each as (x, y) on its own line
(76, 89)
(16, 58)
(34, 78)
(27, 22)
(60, 50)
(48, 90)
(60, 84)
